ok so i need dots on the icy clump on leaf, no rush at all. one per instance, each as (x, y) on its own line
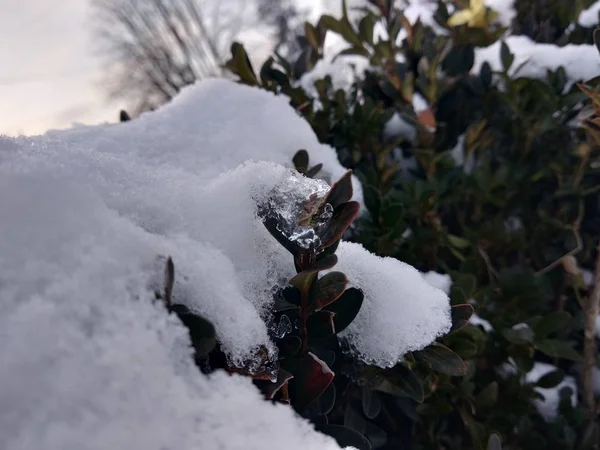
(401, 312)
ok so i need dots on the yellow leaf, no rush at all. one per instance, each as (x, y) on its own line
(460, 18)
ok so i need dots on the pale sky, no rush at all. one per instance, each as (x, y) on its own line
(49, 76)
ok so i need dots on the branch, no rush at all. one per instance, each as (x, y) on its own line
(591, 311)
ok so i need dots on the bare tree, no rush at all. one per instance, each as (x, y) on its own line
(285, 19)
(156, 47)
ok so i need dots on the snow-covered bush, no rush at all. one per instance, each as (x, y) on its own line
(463, 121)
(134, 257)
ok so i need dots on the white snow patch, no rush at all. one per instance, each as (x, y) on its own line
(439, 281)
(548, 407)
(505, 9)
(589, 17)
(479, 321)
(401, 312)
(532, 60)
(397, 127)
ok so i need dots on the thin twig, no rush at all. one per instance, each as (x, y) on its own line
(591, 311)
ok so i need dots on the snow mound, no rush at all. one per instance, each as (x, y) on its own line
(401, 312)
(89, 361)
(440, 281)
(533, 60)
(589, 17)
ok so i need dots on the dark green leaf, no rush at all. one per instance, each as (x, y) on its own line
(557, 349)
(551, 379)
(488, 396)
(597, 38)
(327, 400)
(341, 191)
(300, 161)
(460, 316)
(550, 323)
(519, 334)
(202, 332)
(313, 171)
(289, 346)
(401, 381)
(312, 35)
(329, 288)
(506, 56)
(371, 402)
(441, 359)
(354, 420)
(365, 29)
(343, 216)
(169, 282)
(346, 308)
(240, 65)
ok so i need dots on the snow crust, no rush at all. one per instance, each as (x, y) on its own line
(89, 360)
(401, 311)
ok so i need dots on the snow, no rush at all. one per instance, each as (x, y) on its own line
(476, 320)
(89, 360)
(397, 127)
(343, 71)
(505, 9)
(548, 407)
(532, 60)
(390, 322)
(439, 281)
(589, 17)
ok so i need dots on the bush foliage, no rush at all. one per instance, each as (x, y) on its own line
(497, 187)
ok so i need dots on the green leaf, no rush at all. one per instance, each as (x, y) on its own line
(304, 279)
(506, 56)
(311, 379)
(240, 65)
(365, 29)
(355, 50)
(519, 334)
(329, 288)
(329, 23)
(371, 403)
(597, 38)
(346, 308)
(169, 282)
(460, 316)
(558, 349)
(202, 332)
(345, 436)
(458, 242)
(488, 396)
(551, 323)
(354, 420)
(343, 216)
(313, 171)
(441, 359)
(551, 379)
(494, 443)
(327, 400)
(401, 381)
(341, 191)
(312, 35)
(300, 161)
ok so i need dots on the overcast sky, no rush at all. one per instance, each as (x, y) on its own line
(49, 77)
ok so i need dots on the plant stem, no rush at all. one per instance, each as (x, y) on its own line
(591, 310)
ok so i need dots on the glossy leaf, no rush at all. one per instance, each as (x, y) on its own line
(346, 308)
(289, 346)
(343, 216)
(270, 388)
(300, 161)
(401, 381)
(329, 288)
(354, 420)
(311, 378)
(313, 171)
(371, 403)
(460, 316)
(341, 191)
(558, 349)
(441, 359)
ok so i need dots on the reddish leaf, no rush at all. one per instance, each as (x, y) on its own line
(320, 325)
(270, 388)
(329, 288)
(311, 379)
(341, 191)
(343, 216)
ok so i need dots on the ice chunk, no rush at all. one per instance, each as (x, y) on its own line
(401, 312)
